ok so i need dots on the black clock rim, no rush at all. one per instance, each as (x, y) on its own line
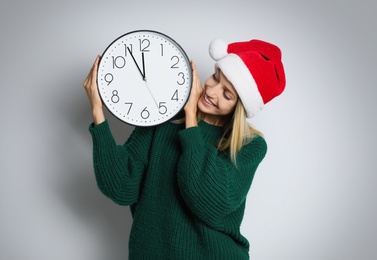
(190, 72)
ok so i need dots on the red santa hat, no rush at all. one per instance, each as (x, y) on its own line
(254, 68)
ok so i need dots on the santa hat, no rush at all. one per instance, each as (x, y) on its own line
(254, 68)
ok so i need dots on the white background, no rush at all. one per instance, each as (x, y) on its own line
(313, 196)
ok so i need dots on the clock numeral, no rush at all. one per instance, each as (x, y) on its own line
(130, 104)
(115, 98)
(182, 77)
(118, 62)
(175, 95)
(162, 49)
(144, 43)
(145, 113)
(126, 49)
(176, 60)
(162, 108)
(108, 78)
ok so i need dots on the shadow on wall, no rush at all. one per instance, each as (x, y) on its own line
(98, 215)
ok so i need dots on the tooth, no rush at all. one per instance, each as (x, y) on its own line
(205, 97)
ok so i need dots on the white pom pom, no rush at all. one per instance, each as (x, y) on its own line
(218, 49)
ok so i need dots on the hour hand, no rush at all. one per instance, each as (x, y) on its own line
(141, 73)
(144, 76)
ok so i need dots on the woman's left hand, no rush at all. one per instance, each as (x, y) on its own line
(191, 106)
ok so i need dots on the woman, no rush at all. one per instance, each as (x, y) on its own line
(186, 183)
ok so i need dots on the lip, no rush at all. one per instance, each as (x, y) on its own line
(207, 102)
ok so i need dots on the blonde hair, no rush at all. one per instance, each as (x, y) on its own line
(237, 132)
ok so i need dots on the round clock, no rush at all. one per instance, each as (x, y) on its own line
(144, 78)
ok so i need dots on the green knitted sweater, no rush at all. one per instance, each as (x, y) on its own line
(187, 199)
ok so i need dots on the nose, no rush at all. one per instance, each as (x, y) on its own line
(213, 89)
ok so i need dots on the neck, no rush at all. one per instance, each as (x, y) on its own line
(215, 120)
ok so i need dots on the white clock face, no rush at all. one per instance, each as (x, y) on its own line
(144, 78)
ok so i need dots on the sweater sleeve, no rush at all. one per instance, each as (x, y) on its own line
(119, 168)
(210, 184)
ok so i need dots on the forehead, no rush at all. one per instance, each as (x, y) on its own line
(225, 81)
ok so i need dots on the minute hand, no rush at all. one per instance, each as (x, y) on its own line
(142, 58)
(141, 73)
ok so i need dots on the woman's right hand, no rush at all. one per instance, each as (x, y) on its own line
(191, 106)
(90, 86)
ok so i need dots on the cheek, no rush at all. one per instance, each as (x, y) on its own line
(226, 107)
(231, 106)
(209, 82)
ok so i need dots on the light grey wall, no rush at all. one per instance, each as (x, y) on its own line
(314, 194)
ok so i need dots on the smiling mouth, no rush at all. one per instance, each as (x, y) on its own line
(208, 101)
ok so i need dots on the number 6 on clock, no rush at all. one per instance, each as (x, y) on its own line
(144, 78)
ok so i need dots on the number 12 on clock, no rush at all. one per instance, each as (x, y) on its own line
(144, 78)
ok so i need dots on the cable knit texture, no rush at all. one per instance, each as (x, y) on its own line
(187, 199)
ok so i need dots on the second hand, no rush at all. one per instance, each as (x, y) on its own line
(150, 92)
(145, 79)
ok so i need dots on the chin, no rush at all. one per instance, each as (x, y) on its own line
(201, 108)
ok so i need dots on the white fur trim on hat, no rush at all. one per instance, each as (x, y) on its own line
(218, 48)
(239, 75)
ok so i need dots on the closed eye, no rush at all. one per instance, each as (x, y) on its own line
(228, 95)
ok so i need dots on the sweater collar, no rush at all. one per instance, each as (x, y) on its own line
(210, 132)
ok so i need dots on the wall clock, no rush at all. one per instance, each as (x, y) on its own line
(144, 78)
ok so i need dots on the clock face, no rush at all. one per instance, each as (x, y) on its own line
(144, 78)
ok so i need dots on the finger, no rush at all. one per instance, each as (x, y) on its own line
(95, 67)
(90, 73)
(86, 81)
(194, 72)
(95, 71)
(193, 66)
(92, 76)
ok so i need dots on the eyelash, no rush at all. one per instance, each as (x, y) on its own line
(226, 97)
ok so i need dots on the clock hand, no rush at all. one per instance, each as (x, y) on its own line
(150, 92)
(143, 73)
(136, 63)
(142, 57)
(145, 79)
